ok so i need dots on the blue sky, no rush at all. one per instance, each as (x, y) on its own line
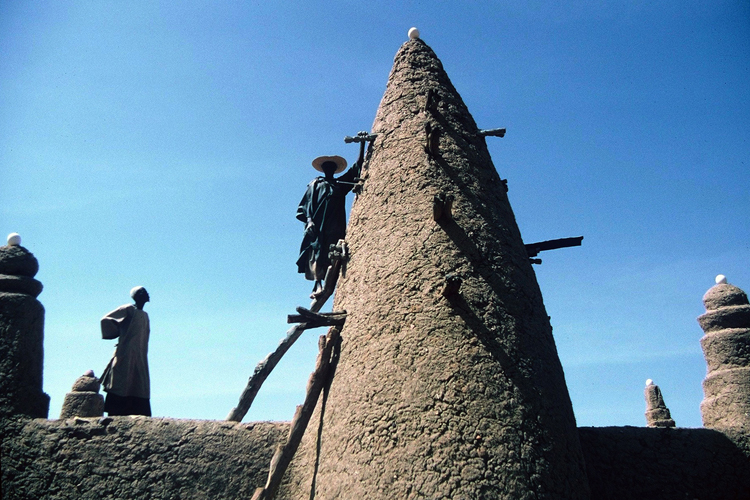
(167, 144)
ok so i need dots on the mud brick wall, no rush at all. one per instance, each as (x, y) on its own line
(624, 463)
(135, 458)
(140, 458)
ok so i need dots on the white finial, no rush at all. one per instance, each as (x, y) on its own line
(413, 33)
(721, 279)
(649, 382)
(14, 239)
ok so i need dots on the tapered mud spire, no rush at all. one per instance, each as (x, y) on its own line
(448, 384)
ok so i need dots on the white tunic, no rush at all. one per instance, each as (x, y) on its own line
(127, 374)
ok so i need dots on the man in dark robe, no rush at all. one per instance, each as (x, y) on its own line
(323, 211)
(126, 378)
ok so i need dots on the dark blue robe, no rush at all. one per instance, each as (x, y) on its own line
(324, 202)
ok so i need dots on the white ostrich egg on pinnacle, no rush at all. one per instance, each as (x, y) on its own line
(14, 239)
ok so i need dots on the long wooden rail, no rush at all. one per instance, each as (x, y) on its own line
(266, 366)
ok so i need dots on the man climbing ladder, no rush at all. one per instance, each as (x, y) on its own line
(323, 212)
(322, 265)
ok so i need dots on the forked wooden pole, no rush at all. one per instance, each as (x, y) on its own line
(261, 373)
(284, 454)
(265, 367)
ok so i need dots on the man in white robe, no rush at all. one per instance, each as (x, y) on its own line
(126, 379)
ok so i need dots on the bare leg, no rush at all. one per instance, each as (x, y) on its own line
(317, 289)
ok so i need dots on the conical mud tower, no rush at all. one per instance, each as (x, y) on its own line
(448, 384)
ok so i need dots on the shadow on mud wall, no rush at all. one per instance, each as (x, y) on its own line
(665, 463)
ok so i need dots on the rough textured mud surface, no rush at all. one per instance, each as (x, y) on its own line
(21, 356)
(18, 261)
(726, 346)
(625, 463)
(458, 397)
(129, 458)
(140, 458)
(21, 335)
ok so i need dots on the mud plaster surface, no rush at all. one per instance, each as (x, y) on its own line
(435, 397)
(135, 457)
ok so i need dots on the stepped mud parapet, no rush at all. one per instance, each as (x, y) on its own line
(657, 413)
(21, 334)
(439, 395)
(84, 399)
(726, 347)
